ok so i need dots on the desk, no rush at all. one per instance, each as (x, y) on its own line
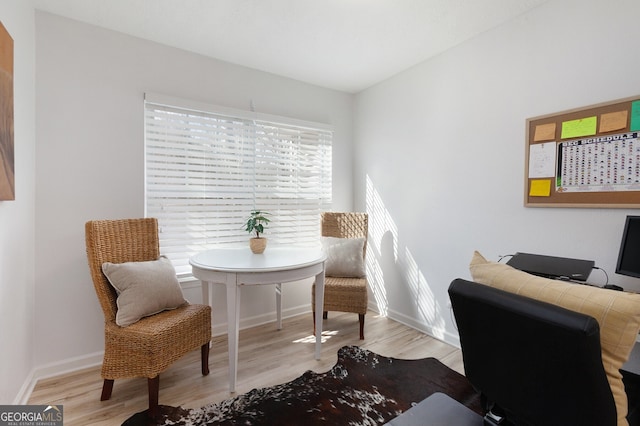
(437, 410)
(237, 267)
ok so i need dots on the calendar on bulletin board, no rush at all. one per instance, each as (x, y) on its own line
(586, 157)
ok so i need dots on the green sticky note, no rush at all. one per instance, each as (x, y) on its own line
(635, 116)
(581, 127)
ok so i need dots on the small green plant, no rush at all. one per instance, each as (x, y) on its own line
(257, 222)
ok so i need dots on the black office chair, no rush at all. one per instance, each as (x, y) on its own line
(533, 362)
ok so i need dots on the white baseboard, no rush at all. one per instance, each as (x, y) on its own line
(95, 359)
(25, 391)
(443, 335)
(55, 369)
(249, 322)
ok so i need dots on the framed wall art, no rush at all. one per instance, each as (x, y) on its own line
(7, 168)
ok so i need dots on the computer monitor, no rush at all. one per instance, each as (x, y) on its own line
(629, 255)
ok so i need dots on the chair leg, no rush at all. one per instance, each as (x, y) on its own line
(325, 314)
(154, 389)
(204, 355)
(107, 388)
(361, 318)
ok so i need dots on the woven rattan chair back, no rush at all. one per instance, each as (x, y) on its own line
(345, 225)
(118, 241)
(345, 294)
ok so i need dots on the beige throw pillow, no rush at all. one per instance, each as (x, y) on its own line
(144, 288)
(617, 313)
(345, 256)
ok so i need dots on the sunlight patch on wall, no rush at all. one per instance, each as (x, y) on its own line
(381, 226)
(425, 302)
(384, 260)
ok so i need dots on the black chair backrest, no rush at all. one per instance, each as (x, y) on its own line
(539, 363)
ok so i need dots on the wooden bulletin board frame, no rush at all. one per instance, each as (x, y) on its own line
(585, 157)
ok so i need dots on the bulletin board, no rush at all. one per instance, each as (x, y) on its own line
(586, 157)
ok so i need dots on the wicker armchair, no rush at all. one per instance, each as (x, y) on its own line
(149, 346)
(340, 293)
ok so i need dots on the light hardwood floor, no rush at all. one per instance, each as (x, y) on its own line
(266, 357)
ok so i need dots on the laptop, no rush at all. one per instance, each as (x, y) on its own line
(552, 267)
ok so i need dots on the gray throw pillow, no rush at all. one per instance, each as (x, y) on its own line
(144, 288)
(345, 256)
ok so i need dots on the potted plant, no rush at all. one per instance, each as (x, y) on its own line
(257, 223)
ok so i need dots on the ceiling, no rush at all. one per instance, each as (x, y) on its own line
(347, 45)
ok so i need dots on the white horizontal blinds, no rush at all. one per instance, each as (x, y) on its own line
(205, 171)
(293, 178)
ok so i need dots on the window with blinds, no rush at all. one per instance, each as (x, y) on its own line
(208, 167)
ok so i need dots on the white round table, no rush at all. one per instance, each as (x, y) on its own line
(238, 266)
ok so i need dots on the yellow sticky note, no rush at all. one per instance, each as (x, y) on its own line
(613, 121)
(540, 188)
(581, 127)
(545, 132)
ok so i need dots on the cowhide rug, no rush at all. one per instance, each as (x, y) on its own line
(363, 388)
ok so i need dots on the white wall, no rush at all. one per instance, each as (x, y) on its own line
(17, 217)
(90, 87)
(439, 153)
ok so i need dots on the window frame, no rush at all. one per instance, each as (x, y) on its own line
(248, 161)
